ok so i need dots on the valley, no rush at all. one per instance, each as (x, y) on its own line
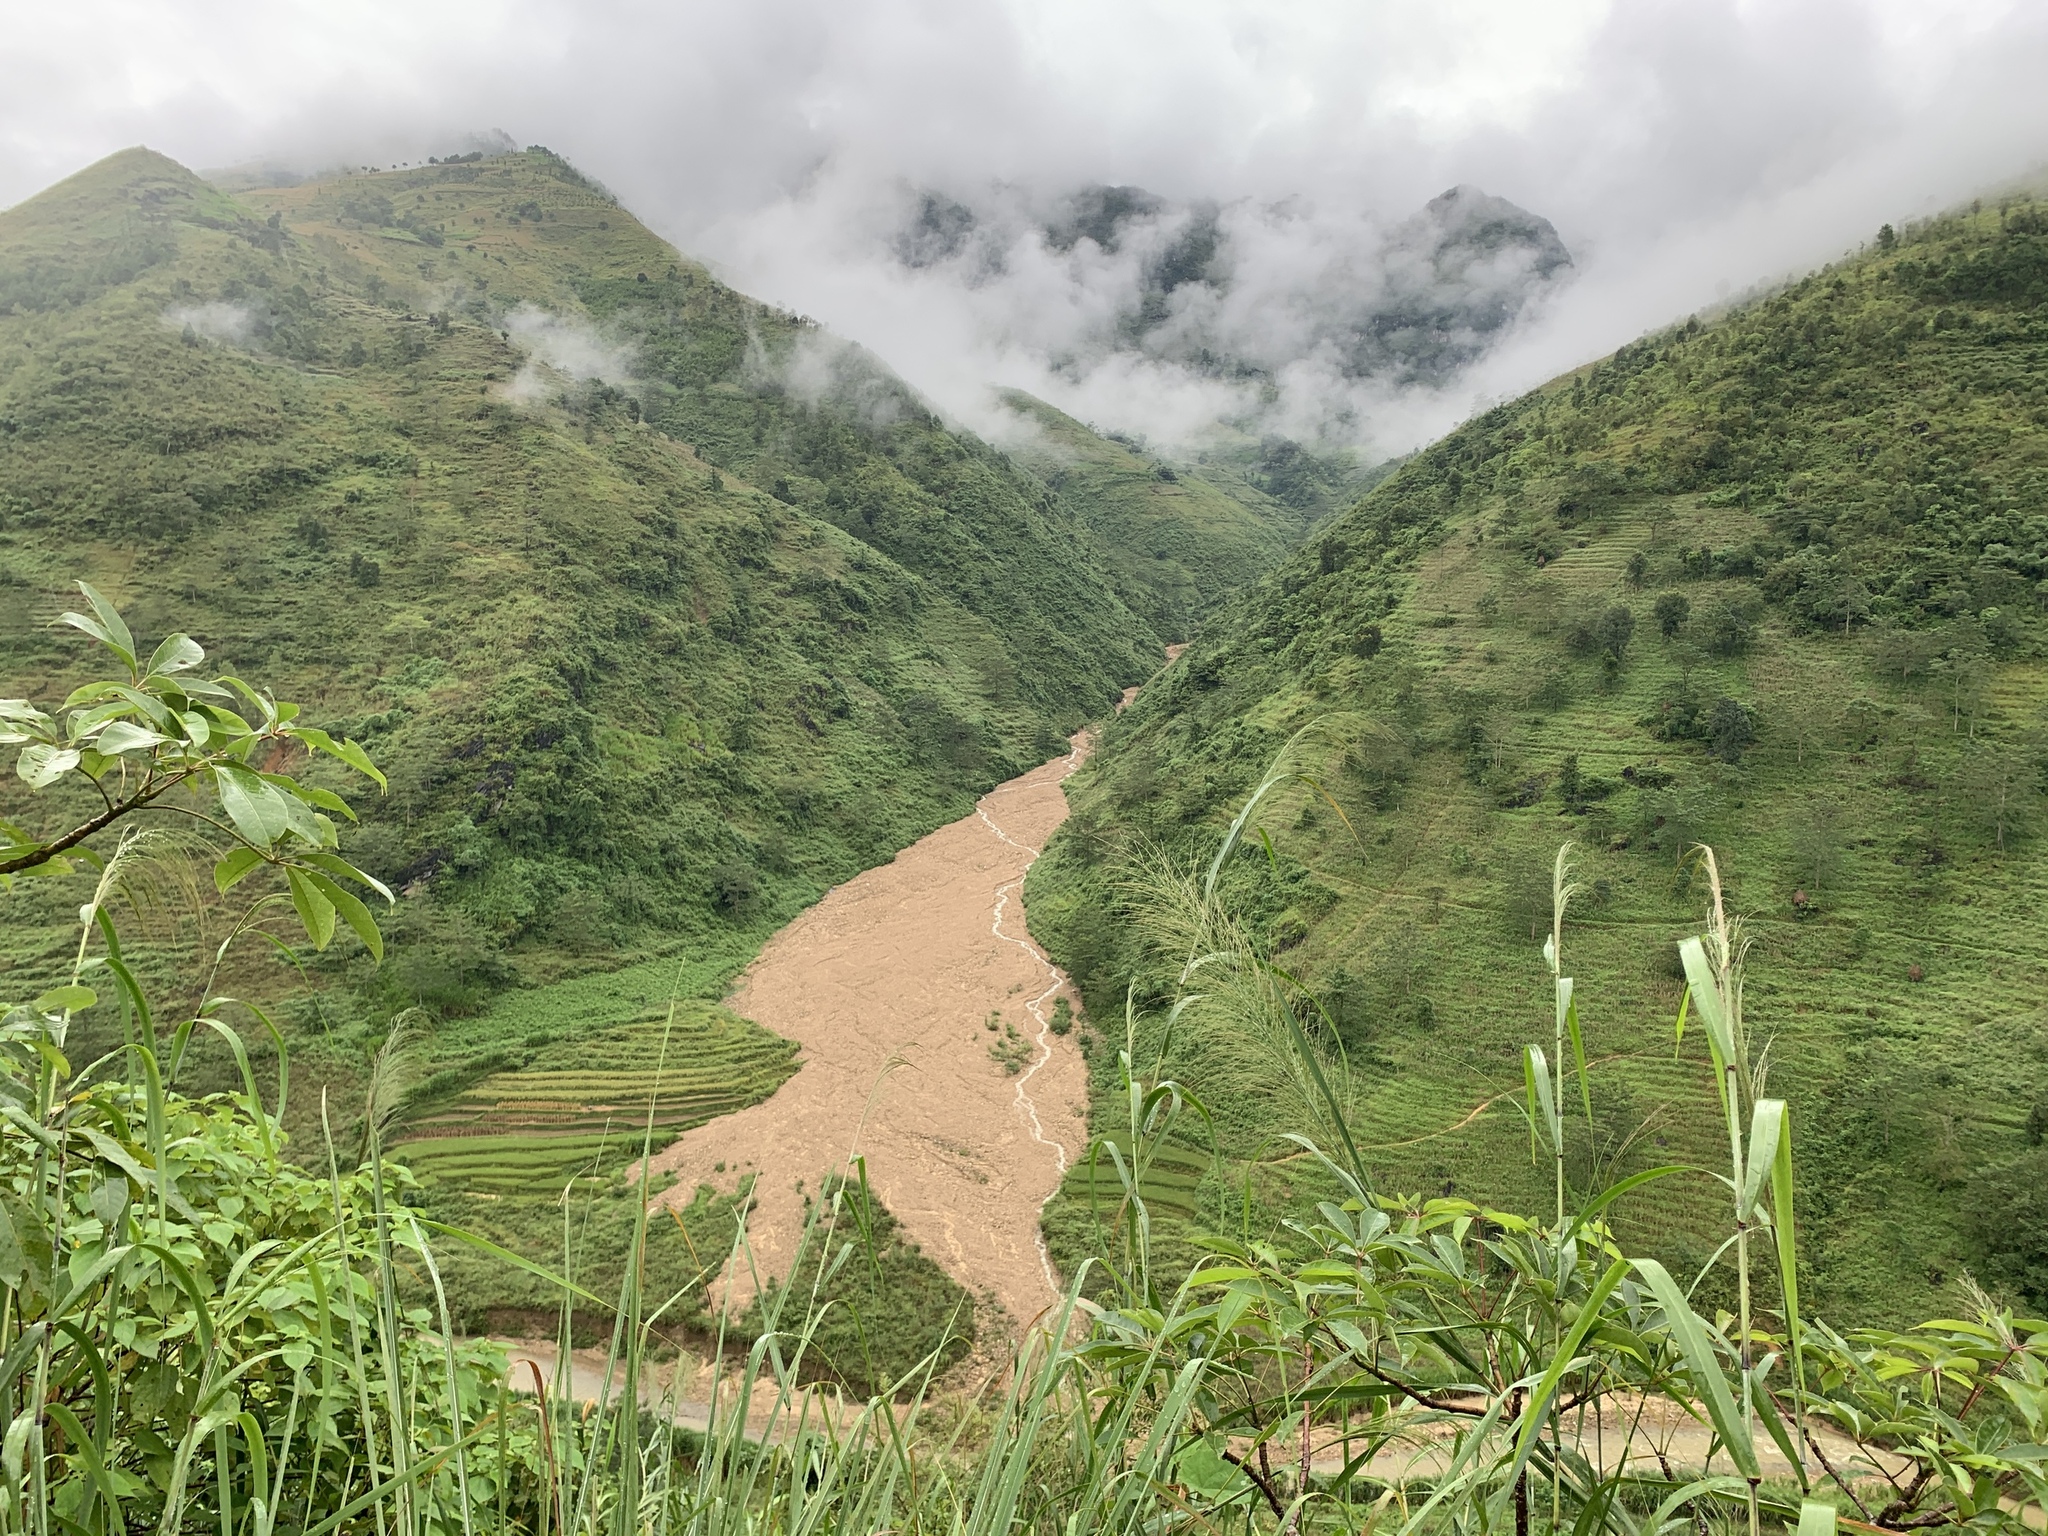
(924, 1019)
(807, 913)
(669, 615)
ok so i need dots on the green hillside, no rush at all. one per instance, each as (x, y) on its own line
(633, 680)
(1179, 538)
(637, 689)
(663, 610)
(1770, 581)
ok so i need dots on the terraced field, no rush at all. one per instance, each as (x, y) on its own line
(581, 1108)
(1172, 1183)
(1898, 951)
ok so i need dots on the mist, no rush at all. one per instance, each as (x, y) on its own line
(560, 349)
(1682, 153)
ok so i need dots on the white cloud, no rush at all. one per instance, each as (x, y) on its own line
(1683, 148)
(561, 349)
(230, 323)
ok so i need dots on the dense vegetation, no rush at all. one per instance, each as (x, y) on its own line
(553, 604)
(1769, 580)
(197, 1336)
(1179, 539)
(663, 611)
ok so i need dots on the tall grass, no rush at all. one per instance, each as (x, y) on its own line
(196, 1336)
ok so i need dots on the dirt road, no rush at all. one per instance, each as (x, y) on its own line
(889, 985)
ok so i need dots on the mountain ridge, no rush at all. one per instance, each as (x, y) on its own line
(1769, 582)
(664, 611)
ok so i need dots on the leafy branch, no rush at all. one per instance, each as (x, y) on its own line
(137, 738)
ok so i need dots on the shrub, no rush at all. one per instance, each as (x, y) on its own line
(2008, 1206)
(1730, 728)
(1672, 609)
(1727, 626)
(734, 887)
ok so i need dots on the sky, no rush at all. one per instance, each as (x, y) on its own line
(1685, 150)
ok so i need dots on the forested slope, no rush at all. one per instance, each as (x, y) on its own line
(1769, 581)
(599, 620)
(1180, 538)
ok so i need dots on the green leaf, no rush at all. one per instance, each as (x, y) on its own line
(326, 799)
(1542, 1105)
(348, 751)
(315, 910)
(13, 1262)
(107, 628)
(127, 1162)
(125, 736)
(154, 709)
(341, 869)
(71, 999)
(241, 1055)
(1705, 988)
(1614, 1192)
(1704, 1366)
(1816, 1518)
(125, 978)
(484, 1245)
(1788, 1265)
(1766, 1130)
(42, 765)
(1571, 1029)
(255, 808)
(83, 1447)
(264, 705)
(177, 654)
(234, 867)
(352, 910)
(1567, 1351)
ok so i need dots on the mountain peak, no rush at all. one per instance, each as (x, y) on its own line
(129, 176)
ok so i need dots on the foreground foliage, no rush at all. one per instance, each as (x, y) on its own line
(198, 1336)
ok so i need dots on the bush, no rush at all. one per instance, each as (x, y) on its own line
(1062, 1020)
(1728, 626)
(734, 887)
(1672, 609)
(1730, 728)
(1616, 628)
(2008, 1206)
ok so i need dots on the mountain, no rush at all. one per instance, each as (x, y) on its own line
(1770, 580)
(1179, 537)
(665, 611)
(1247, 291)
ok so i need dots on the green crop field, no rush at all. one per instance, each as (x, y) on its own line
(585, 1105)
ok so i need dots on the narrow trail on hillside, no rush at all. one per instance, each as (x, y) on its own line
(923, 1016)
